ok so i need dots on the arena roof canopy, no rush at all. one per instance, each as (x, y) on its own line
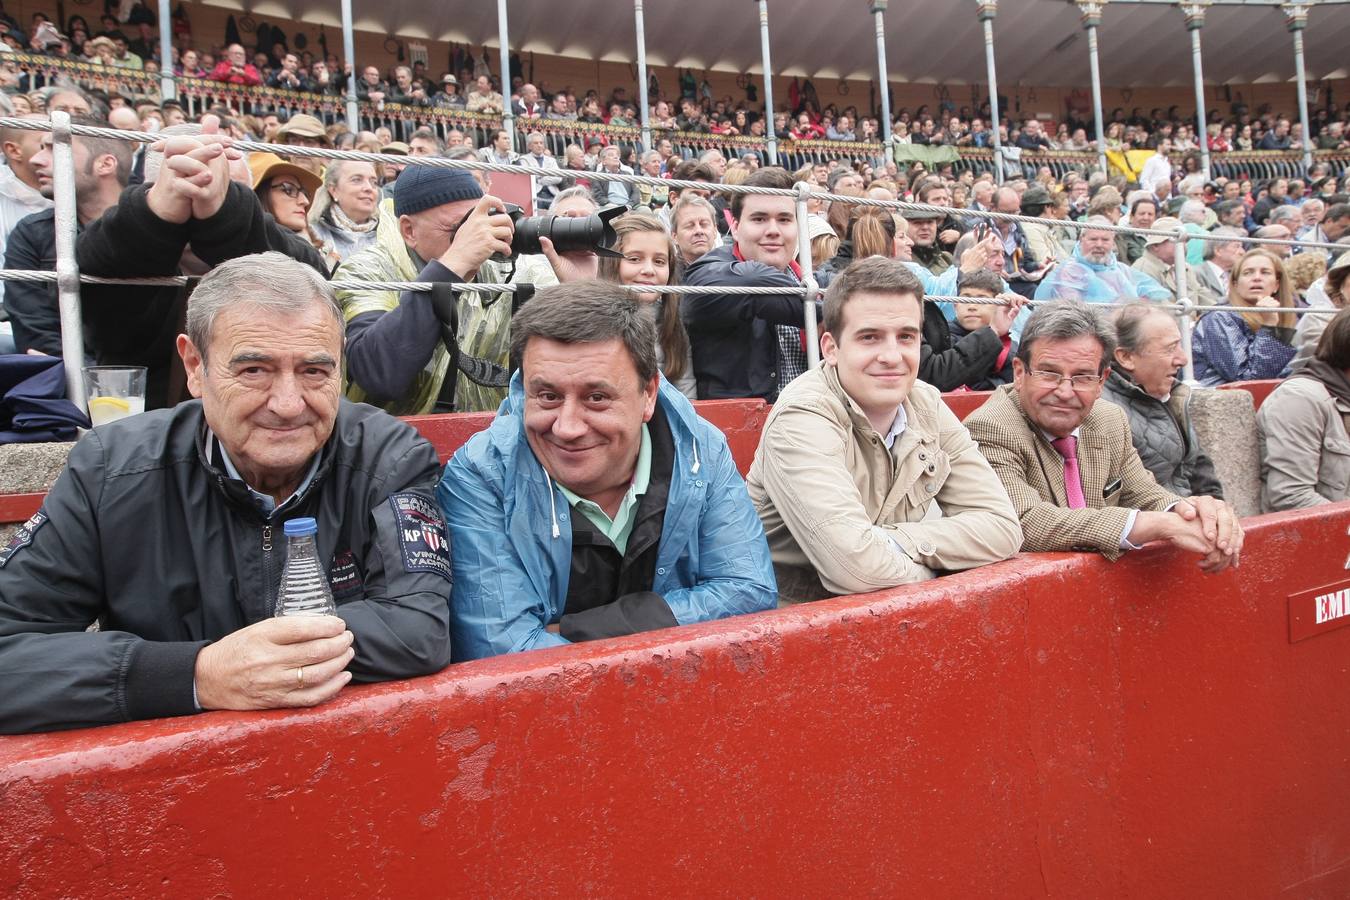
(1037, 42)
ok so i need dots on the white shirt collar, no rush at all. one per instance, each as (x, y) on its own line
(897, 427)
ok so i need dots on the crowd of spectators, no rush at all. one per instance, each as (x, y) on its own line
(1086, 441)
(128, 38)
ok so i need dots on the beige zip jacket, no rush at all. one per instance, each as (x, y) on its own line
(845, 515)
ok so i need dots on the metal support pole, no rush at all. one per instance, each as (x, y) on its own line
(1184, 323)
(1092, 17)
(67, 270)
(643, 111)
(508, 114)
(166, 82)
(988, 9)
(349, 55)
(1195, 20)
(769, 134)
(1297, 14)
(884, 85)
(809, 287)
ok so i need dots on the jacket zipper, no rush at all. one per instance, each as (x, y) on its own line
(269, 598)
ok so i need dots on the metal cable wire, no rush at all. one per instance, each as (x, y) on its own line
(423, 286)
(806, 191)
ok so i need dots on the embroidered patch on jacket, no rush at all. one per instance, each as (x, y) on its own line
(23, 537)
(344, 577)
(422, 534)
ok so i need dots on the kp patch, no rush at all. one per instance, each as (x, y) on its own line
(422, 534)
(23, 537)
(344, 577)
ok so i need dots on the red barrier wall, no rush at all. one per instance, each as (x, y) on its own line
(1052, 726)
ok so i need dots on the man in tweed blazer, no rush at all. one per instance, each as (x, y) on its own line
(1068, 463)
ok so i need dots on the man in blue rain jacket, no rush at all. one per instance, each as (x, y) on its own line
(598, 503)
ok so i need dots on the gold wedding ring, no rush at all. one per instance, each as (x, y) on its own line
(300, 677)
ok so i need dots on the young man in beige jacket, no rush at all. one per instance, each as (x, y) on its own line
(864, 479)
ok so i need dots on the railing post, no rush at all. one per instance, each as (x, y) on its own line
(989, 9)
(67, 269)
(349, 54)
(167, 88)
(508, 114)
(644, 113)
(1194, 11)
(1092, 17)
(884, 85)
(769, 134)
(809, 287)
(1296, 18)
(1184, 301)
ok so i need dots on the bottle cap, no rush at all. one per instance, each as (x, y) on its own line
(301, 527)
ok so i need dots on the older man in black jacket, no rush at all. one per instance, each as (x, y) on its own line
(167, 529)
(195, 212)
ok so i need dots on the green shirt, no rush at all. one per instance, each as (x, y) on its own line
(620, 527)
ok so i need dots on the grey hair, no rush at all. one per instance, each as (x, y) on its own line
(1190, 181)
(572, 193)
(333, 174)
(688, 202)
(584, 312)
(1129, 322)
(1280, 213)
(1193, 212)
(1228, 231)
(269, 281)
(534, 134)
(1064, 320)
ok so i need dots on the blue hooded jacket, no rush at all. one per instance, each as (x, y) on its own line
(511, 534)
(1110, 282)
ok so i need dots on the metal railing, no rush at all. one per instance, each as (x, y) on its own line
(198, 95)
(68, 279)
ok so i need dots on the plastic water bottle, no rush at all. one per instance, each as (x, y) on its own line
(304, 585)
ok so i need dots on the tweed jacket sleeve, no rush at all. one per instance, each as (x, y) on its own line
(1033, 474)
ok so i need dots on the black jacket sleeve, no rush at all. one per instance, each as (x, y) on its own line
(712, 311)
(630, 614)
(402, 623)
(32, 305)
(386, 350)
(947, 365)
(240, 228)
(56, 674)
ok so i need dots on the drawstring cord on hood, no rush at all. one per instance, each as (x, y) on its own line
(552, 502)
(694, 468)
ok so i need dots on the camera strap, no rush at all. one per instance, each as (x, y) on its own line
(445, 305)
(480, 371)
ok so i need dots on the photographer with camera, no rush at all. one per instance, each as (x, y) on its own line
(420, 352)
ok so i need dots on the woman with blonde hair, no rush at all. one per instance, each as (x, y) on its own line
(1256, 343)
(648, 256)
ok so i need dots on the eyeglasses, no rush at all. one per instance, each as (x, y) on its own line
(294, 191)
(1053, 380)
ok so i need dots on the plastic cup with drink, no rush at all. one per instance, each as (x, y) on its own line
(114, 392)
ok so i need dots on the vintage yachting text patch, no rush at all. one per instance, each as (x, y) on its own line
(421, 534)
(23, 537)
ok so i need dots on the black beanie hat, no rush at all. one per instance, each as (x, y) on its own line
(420, 188)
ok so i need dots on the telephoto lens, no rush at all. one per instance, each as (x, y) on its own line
(593, 233)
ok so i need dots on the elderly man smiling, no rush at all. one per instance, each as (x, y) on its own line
(166, 529)
(598, 503)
